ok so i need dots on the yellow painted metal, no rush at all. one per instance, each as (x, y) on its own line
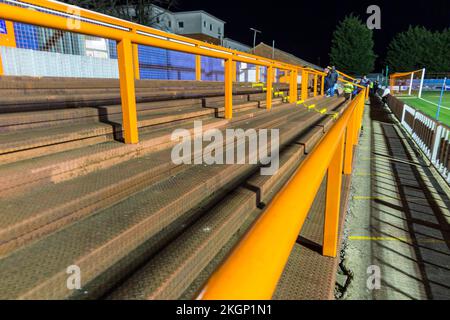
(269, 88)
(8, 39)
(293, 88)
(137, 33)
(198, 67)
(127, 91)
(322, 86)
(137, 73)
(304, 86)
(253, 269)
(349, 144)
(315, 85)
(333, 202)
(235, 71)
(229, 71)
(257, 72)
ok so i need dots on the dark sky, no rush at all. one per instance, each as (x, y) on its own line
(304, 28)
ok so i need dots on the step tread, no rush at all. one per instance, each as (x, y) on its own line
(91, 191)
(151, 209)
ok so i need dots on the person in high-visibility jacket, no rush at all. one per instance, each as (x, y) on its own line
(348, 90)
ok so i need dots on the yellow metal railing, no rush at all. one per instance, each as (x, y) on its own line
(60, 16)
(253, 269)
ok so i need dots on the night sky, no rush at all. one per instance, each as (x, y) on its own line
(304, 28)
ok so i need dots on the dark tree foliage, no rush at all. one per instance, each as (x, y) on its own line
(419, 48)
(138, 11)
(352, 47)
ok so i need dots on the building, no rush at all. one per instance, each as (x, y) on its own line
(197, 24)
(236, 45)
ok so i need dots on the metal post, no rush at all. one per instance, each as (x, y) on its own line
(304, 88)
(440, 99)
(315, 85)
(269, 88)
(349, 146)
(257, 73)
(137, 73)
(421, 82)
(410, 84)
(127, 90)
(322, 86)
(436, 143)
(229, 68)
(198, 68)
(254, 38)
(234, 71)
(333, 202)
(293, 94)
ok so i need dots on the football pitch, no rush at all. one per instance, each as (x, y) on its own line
(428, 104)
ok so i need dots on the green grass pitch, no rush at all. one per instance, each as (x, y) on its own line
(428, 105)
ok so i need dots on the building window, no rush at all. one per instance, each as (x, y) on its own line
(180, 24)
(170, 24)
(158, 20)
(210, 27)
(218, 30)
(204, 24)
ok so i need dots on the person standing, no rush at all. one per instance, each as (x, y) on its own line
(333, 81)
(348, 90)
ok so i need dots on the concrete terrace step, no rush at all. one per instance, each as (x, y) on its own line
(170, 273)
(16, 121)
(16, 146)
(112, 234)
(47, 94)
(83, 195)
(179, 270)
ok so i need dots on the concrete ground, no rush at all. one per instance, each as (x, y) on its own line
(397, 234)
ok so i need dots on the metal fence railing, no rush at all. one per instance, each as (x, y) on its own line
(255, 266)
(431, 136)
(126, 40)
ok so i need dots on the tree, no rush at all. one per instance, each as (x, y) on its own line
(419, 48)
(139, 11)
(352, 47)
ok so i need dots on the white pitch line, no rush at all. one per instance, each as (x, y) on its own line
(435, 104)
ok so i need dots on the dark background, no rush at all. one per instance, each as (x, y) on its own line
(304, 28)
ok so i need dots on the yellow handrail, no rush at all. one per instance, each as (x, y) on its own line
(253, 269)
(127, 35)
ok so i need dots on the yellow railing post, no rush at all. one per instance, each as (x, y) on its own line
(256, 73)
(333, 203)
(198, 67)
(359, 117)
(235, 71)
(293, 94)
(137, 73)
(349, 144)
(322, 86)
(127, 90)
(254, 267)
(304, 85)
(269, 88)
(315, 85)
(230, 69)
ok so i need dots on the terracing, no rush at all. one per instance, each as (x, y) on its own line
(137, 225)
(89, 181)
